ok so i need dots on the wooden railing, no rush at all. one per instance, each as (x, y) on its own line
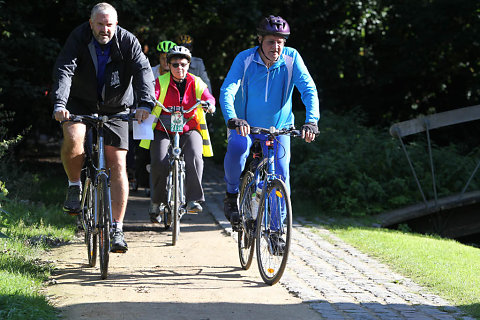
(427, 123)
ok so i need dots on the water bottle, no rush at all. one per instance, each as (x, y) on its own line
(256, 199)
(255, 202)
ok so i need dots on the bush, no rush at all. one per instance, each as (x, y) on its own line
(356, 170)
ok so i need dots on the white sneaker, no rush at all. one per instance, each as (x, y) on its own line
(194, 207)
(154, 213)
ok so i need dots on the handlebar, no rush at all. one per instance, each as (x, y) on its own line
(95, 118)
(200, 104)
(276, 132)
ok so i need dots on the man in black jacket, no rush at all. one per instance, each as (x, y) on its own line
(101, 69)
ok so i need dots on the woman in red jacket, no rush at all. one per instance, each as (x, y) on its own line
(180, 88)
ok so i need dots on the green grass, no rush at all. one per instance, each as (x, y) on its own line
(23, 268)
(446, 267)
(27, 228)
(22, 273)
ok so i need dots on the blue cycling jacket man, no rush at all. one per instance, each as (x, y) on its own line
(258, 89)
(263, 96)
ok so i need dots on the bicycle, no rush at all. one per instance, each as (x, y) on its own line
(265, 210)
(176, 203)
(96, 214)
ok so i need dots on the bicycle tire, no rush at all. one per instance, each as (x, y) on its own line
(88, 216)
(271, 263)
(167, 211)
(246, 236)
(176, 203)
(104, 224)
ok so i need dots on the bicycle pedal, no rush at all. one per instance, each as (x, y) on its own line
(118, 251)
(236, 227)
(72, 214)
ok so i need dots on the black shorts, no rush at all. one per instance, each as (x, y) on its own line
(116, 131)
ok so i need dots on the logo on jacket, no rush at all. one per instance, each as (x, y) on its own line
(115, 80)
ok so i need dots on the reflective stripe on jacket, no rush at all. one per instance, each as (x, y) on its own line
(200, 87)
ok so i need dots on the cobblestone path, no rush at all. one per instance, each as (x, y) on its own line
(335, 279)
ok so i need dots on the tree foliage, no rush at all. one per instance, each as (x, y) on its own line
(358, 170)
(393, 59)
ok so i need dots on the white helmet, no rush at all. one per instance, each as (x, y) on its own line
(179, 51)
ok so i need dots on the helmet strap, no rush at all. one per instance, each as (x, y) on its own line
(263, 53)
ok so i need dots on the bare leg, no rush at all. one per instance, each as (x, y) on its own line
(72, 153)
(117, 163)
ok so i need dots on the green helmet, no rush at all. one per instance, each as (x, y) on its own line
(165, 46)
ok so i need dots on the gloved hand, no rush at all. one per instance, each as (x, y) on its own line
(234, 123)
(210, 107)
(310, 127)
(309, 130)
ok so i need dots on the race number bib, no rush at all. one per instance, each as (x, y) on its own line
(176, 124)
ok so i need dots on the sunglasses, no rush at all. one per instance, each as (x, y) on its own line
(176, 65)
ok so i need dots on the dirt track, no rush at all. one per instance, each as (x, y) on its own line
(199, 278)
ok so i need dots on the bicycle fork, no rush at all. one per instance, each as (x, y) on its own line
(274, 211)
(101, 170)
(176, 152)
(83, 205)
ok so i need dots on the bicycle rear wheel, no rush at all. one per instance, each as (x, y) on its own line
(103, 206)
(176, 202)
(88, 216)
(273, 235)
(246, 234)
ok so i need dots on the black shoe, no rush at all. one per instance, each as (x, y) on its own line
(230, 209)
(277, 243)
(72, 202)
(230, 204)
(118, 243)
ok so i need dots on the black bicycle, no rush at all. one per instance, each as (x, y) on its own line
(96, 215)
(265, 210)
(176, 202)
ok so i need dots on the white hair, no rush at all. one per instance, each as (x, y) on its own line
(104, 8)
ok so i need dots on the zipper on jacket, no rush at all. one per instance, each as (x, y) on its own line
(266, 85)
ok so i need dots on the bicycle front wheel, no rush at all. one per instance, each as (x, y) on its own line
(176, 202)
(103, 206)
(274, 228)
(88, 216)
(246, 234)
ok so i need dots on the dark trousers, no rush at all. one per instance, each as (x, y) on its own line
(192, 145)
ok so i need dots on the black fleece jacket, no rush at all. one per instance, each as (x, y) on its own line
(128, 77)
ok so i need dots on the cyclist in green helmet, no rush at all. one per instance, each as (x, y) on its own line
(163, 47)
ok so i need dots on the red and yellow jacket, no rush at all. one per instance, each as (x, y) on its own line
(167, 93)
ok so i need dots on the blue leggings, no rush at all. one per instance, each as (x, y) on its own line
(238, 149)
